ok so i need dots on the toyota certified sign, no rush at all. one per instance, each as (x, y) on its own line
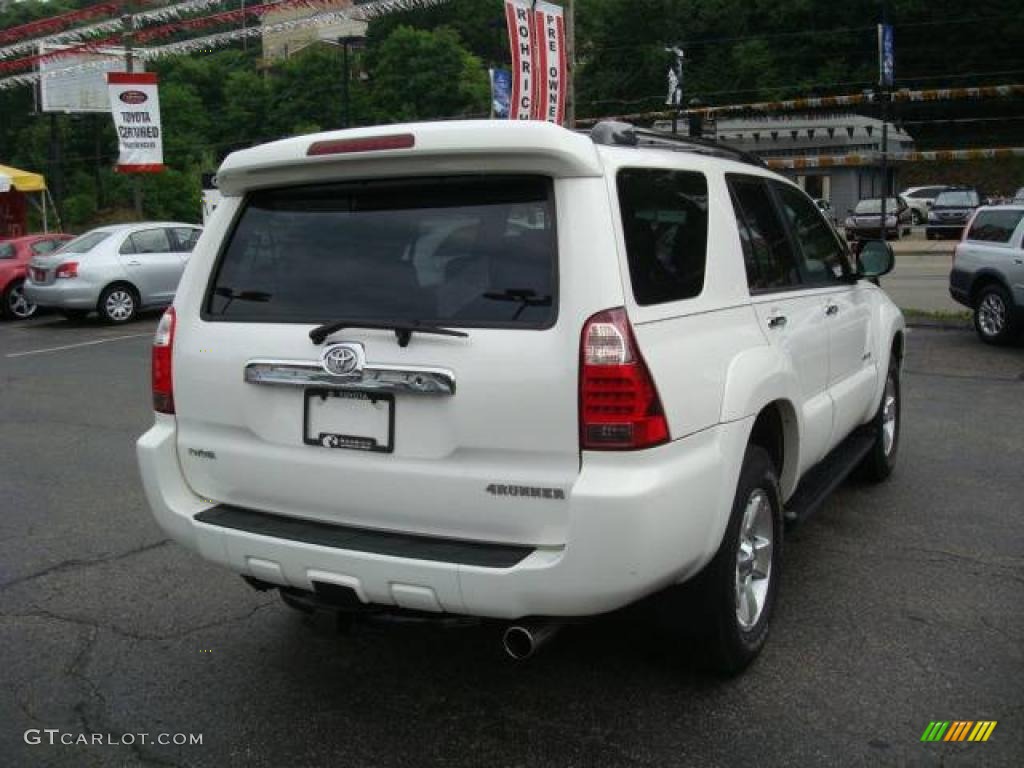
(135, 107)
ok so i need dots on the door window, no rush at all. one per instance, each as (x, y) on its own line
(665, 225)
(822, 255)
(148, 241)
(185, 238)
(994, 226)
(767, 251)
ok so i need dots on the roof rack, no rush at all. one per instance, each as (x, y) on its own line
(614, 133)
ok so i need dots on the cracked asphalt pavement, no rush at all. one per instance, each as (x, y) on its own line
(900, 604)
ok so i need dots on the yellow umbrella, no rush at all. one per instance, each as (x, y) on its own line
(23, 181)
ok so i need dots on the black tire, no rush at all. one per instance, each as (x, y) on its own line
(296, 602)
(995, 316)
(879, 462)
(118, 304)
(15, 306)
(714, 593)
(74, 314)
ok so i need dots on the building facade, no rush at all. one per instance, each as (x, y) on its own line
(796, 138)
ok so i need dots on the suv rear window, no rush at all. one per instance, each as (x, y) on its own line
(957, 198)
(450, 251)
(665, 225)
(994, 226)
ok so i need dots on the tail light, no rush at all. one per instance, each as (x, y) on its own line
(619, 404)
(163, 357)
(363, 144)
(67, 269)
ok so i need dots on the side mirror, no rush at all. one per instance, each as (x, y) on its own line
(875, 259)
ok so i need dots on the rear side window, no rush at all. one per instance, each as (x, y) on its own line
(767, 252)
(469, 252)
(6, 251)
(994, 226)
(665, 225)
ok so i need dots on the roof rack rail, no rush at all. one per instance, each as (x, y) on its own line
(614, 133)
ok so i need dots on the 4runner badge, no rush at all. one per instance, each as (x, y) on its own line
(527, 491)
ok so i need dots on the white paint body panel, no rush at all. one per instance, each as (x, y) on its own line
(630, 522)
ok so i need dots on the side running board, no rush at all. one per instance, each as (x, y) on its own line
(825, 476)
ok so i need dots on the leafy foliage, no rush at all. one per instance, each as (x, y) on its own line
(432, 63)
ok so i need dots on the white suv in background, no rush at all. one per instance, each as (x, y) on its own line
(506, 370)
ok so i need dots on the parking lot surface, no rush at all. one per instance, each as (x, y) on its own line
(900, 604)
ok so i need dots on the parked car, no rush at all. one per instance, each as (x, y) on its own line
(988, 272)
(920, 200)
(950, 212)
(865, 220)
(506, 370)
(826, 210)
(14, 256)
(115, 271)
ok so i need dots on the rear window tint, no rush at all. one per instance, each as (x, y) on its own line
(994, 226)
(6, 251)
(85, 243)
(665, 226)
(452, 251)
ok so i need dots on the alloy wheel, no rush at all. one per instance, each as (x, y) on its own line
(992, 314)
(889, 416)
(120, 305)
(18, 304)
(754, 559)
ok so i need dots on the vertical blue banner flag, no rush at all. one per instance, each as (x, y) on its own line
(886, 56)
(501, 93)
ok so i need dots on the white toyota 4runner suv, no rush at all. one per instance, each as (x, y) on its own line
(506, 370)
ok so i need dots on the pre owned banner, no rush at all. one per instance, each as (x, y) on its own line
(549, 63)
(519, 16)
(135, 105)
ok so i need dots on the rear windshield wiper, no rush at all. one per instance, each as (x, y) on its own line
(231, 294)
(525, 296)
(403, 330)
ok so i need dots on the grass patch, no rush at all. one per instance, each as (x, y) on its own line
(959, 317)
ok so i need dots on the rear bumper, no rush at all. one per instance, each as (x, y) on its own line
(65, 294)
(639, 521)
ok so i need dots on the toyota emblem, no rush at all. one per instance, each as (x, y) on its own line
(343, 359)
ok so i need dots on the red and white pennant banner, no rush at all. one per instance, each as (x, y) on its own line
(536, 32)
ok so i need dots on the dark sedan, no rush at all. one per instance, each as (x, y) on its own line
(950, 213)
(865, 221)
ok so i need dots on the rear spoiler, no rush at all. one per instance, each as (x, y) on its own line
(416, 149)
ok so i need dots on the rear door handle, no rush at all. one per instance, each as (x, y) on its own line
(777, 321)
(134, 263)
(832, 309)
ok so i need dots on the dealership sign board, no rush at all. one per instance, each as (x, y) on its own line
(536, 32)
(135, 106)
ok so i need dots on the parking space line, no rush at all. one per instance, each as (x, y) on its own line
(79, 344)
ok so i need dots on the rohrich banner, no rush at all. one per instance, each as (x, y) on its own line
(536, 32)
(135, 106)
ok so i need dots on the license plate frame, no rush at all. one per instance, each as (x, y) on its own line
(340, 440)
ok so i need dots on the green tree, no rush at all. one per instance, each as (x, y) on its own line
(419, 74)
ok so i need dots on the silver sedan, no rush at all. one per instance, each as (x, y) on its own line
(116, 270)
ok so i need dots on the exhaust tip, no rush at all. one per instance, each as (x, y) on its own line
(519, 642)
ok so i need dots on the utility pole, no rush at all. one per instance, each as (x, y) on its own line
(128, 22)
(346, 75)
